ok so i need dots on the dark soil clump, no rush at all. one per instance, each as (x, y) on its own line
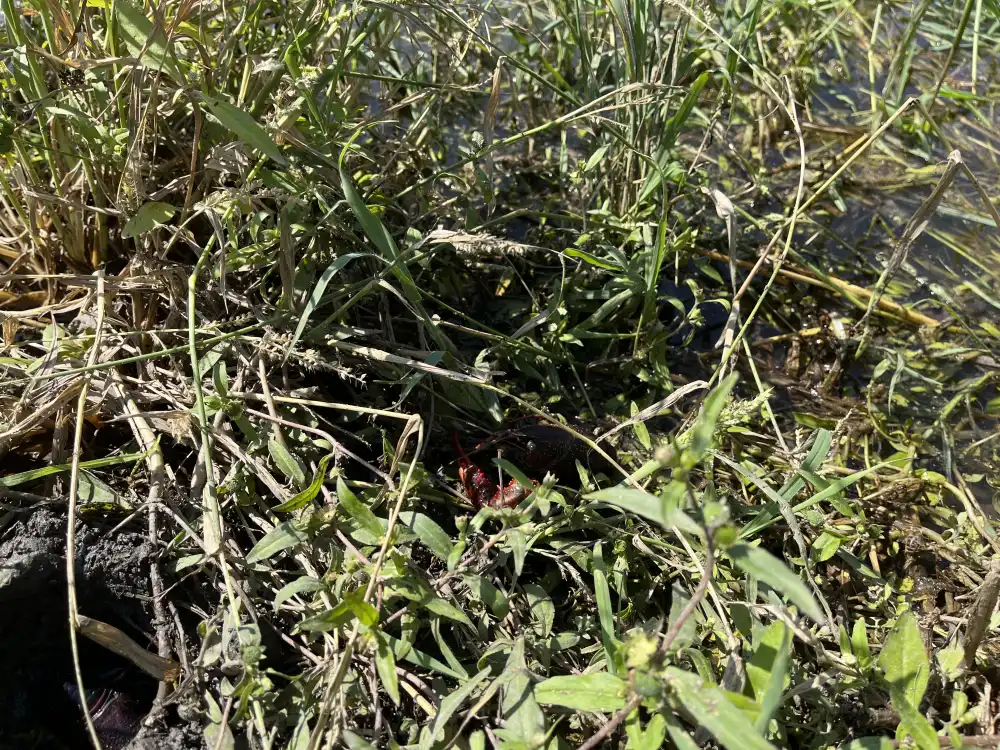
(38, 686)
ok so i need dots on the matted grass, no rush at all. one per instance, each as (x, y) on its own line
(263, 261)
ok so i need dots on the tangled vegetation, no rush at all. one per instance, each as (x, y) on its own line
(265, 264)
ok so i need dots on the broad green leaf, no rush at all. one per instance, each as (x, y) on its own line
(912, 721)
(138, 33)
(309, 493)
(768, 670)
(488, 594)
(443, 607)
(761, 664)
(599, 692)
(859, 643)
(709, 707)
(523, 719)
(217, 733)
(281, 537)
(370, 528)
(243, 126)
(543, 612)
(406, 652)
(689, 628)
(300, 585)
(290, 466)
(678, 735)
(650, 738)
(596, 158)
(643, 504)
(316, 296)
(704, 430)
(904, 661)
(519, 549)
(950, 659)
(385, 663)
(94, 493)
(419, 592)
(450, 705)
(767, 568)
(825, 546)
(351, 606)
(147, 217)
(428, 532)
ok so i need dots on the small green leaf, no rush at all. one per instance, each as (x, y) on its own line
(950, 659)
(768, 671)
(373, 228)
(825, 546)
(488, 594)
(640, 429)
(289, 465)
(652, 737)
(243, 126)
(449, 706)
(595, 158)
(859, 643)
(603, 596)
(309, 493)
(591, 259)
(94, 493)
(643, 504)
(351, 606)
(523, 719)
(301, 585)
(217, 734)
(600, 692)
(543, 612)
(406, 652)
(147, 217)
(912, 721)
(281, 537)
(385, 663)
(138, 34)
(442, 607)
(704, 430)
(769, 569)
(428, 532)
(709, 707)
(519, 549)
(904, 660)
(356, 741)
(316, 296)
(372, 527)
(689, 628)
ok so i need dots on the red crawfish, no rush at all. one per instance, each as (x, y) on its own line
(537, 450)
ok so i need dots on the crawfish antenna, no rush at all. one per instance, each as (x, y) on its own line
(458, 448)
